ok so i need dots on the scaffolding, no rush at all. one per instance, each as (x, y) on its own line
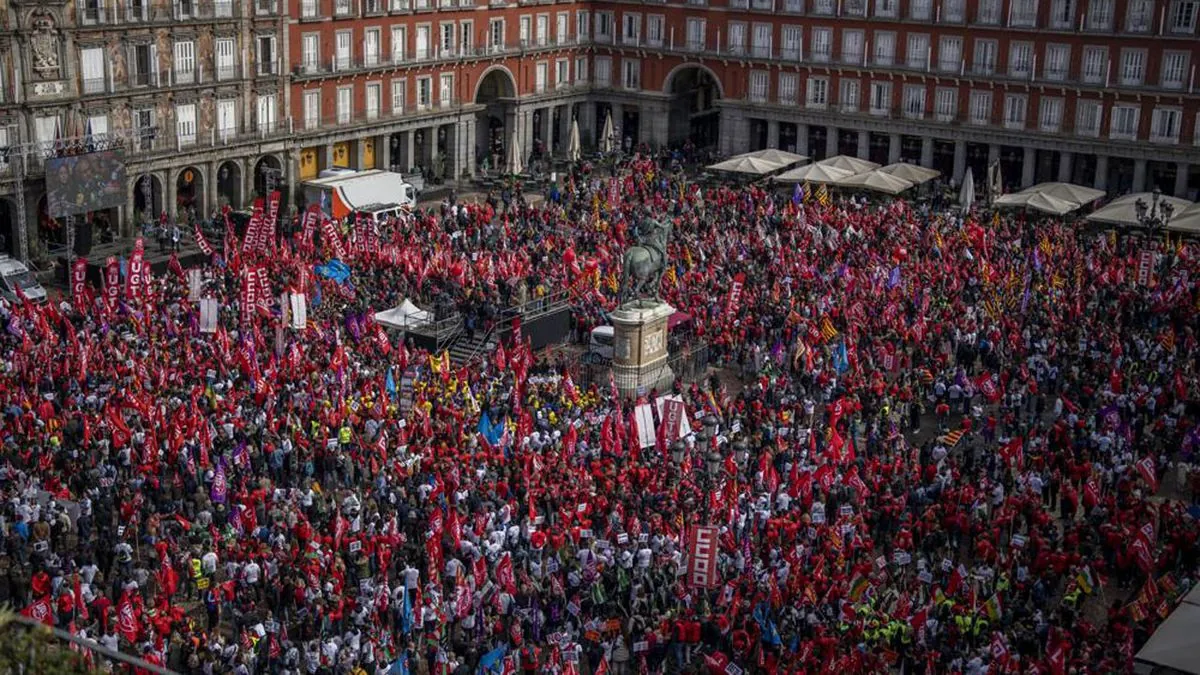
(19, 155)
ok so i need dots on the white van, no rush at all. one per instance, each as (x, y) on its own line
(15, 274)
(381, 212)
(600, 344)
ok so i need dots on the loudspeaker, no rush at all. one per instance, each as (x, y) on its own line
(83, 238)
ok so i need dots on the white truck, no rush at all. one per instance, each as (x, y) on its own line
(14, 274)
(345, 192)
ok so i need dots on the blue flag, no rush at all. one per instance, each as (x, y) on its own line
(390, 384)
(493, 661)
(334, 269)
(399, 666)
(493, 432)
(894, 278)
(406, 618)
(770, 634)
(797, 195)
(841, 361)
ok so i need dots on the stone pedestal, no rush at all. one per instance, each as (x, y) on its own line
(640, 347)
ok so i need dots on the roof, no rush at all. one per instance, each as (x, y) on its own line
(334, 180)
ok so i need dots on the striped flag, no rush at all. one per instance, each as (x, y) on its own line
(828, 332)
(822, 195)
(806, 192)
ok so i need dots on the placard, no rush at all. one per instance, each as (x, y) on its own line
(925, 577)
(702, 556)
(208, 315)
(195, 284)
(299, 313)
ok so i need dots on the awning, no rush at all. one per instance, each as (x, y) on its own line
(1123, 211)
(875, 182)
(848, 163)
(813, 173)
(910, 172)
(780, 157)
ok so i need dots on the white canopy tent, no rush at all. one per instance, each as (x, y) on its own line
(910, 172)
(875, 182)
(847, 163)
(1188, 223)
(1123, 211)
(406, 316)
(814, 173)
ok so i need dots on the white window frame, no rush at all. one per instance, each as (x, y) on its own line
(424, 92)
(697, 34)
(950, 54)
(1099, 15)
(885, 49)
(1124, 122)
(762, 40)
(945, 104)
(983, 59)
(881, 98)
(373, 100)
(1050, 114)
(913, 101)
(344, 103)
(312, 109)
(1089, 115)
(1133, 67)
(603, 73)
(1166, 123)
(445, 90)
(1020, 59)
(1016, 111)
(760, 86)
(822, 44)
(185, 124)
(1139, 16)
(343, 50)
(399, 95)
(980, 107)
(816, 93)
(372, 46)
(916, 51)
(788, 84)
(735, 38)
(631, 74)
(183, 62)
(1182, 16)
(93, 70)
(849, 95)
(1058, 62)
(226, 119)
(1093, 64)
(1174, 67)
(853, 47)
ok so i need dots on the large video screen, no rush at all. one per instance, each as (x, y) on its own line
(83, 183)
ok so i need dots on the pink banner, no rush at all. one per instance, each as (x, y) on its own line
(249, 295)
(267, 234)
(135, 282)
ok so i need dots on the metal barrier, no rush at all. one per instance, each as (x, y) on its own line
(689, 364)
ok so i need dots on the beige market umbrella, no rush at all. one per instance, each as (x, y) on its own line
(513, 165)
(852, 164)
(748, 165)
(910, 172)
(573, 146)
(966, 195)
(1038, 202)
(1067, 192)
(780, 157)
(876, 182)
(606, 136)
(1123, 211)
(814, 173)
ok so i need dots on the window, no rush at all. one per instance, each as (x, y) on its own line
(793, 6)
(854, 7)
(916, 52)
(1050, 114)
(342, 7)
(631, 73)
(310, 53)
(1138, 18)
(604, 27)
(447, 32)
(1020, 59)
(91, 66)
(603, 71)
(791, 42)
(822, 44)
(341, 56)
(583, 25)
(542, 25)
(1183, 16)
(758, 86)
(1165, 124)
(881, 98)
(266, 58)
(988, 12)
(185, 9)
(97, 125)
(227, 118)
(655, 29)
(914, 101)
(1062, 14)
(1014, 111)
(308, 9)
(581, 69)
(817, 93)
(950, 54)
(1087, 118)
(696, 34)
(496, 35)
(399, 43)
(885, 48)
(954, 11)
(787, 88)
(371, 43)
(920, 10)
(446, 89)
(136, 10)
(823, 7)
(562, 31)
(945, 104)
(185, 124)
(852, 46)
(887, 9)
(223, 50)
(981, 107)
(1174, 69)
(424, 49)
(1133, 67)
(1099, 15)
(984, 62)
(848, 95)
(1094, 64)
(399, 95)
(90, 12)
(737, 37)
(541, 72)
(466, 38)
(761, 40)
(266, 113)
(1124, 124)
(143, 124)
(1058, 60)
(143, 62)
(374, 93)
(424, 92)
(631, 28)
(345, 104)
(1022, 13)
(312, 109)
(562, 73)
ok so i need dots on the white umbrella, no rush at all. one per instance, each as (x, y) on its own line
(573, 145)
(780, 157)
(876, 182)
(1038, 202)
(851, 164)
(750, 165)
(910, 172)
(995, 180)
(966, 195)
(1068, 192)
(1123, 211)
(814, 173)
(606, 136)
(513, 166)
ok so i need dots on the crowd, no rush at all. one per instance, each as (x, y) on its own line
(938, 444)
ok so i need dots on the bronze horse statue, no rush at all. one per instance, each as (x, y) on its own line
(644, 264)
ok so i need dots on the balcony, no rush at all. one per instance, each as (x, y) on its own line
(226, 72)
(96, 85)
(266, 69)
(142, 79)
(761, 51)
(93, 14)
(184, 77)
(340, 64)
(1156, 136)
(266, 7)
(790, 54)
(1014, 123)
(793, 6)
(189, 10)
(136, 12)
(374, 7)
(815, 105)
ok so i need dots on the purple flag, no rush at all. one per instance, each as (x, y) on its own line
(219, 487)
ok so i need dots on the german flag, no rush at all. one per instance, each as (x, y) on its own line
(828, 332)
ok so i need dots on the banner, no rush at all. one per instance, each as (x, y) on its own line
(79, 281)
(644, 416)
(330, 238)
(208, 315)
(201, 242)
(673, 413)
(267, 234)
(249, 294)
(264, 288)
(112, 281)
(702, 557)
(735, 292)
(1145, 262)
(252, 230)
(299, 311)
(195, 284)
(308, 224)
(135, 282)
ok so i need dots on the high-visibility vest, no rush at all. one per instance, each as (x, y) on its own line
(344, 435)
(196, 571)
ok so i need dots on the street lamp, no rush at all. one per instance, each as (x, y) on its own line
(678, 448)
(1155, 216)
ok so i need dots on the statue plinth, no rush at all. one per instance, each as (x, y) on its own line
(640, 347)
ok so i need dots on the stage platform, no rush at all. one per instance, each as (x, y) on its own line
(189, 255)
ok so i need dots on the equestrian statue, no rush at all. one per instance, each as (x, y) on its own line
(644, 263)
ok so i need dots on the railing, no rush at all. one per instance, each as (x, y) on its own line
(94, 85)
(266, 7)
(226, 73)
(113, 12)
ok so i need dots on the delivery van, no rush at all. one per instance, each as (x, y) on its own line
(347, 192)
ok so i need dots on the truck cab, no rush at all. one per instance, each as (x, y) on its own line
(13, 275)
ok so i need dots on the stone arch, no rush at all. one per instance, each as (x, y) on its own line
(693, 90)
(669, 81)
(190, 193)
(496, 90)
(229, 184)
(506, 87)
(148, 199)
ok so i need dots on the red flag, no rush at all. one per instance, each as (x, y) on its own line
(504, 574)
(41, 610)
(1147, 470)
(455, 527)
(128, 623)
(83, 610)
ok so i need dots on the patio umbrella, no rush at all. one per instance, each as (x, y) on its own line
(513, 165)
(995, 181)
(1038, 202)
(1068, 192)
(606, 136)
(780, 157)
(876, 182)
(966, 195)
(747, 165)
(910, 172)
(573, 145)
(1123, 211)
(814, 173)
(851, 164)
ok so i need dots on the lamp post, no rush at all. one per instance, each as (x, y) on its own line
(148, 199)
(1155, 217)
